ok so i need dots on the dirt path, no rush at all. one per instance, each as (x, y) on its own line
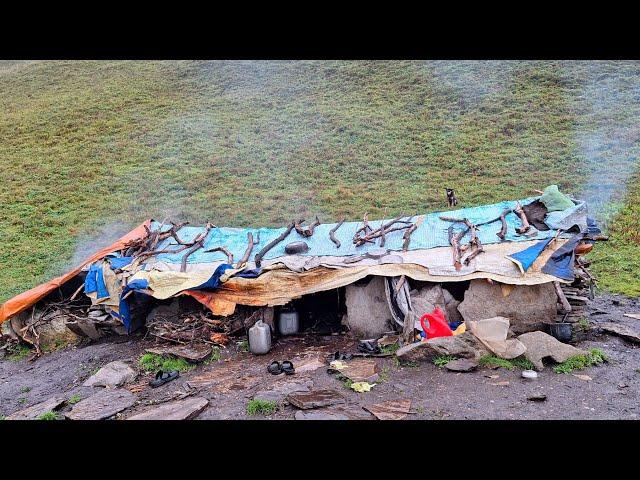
(612, 393)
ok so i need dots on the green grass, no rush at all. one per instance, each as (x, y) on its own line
(150, 362)
(25, 389)
(49, 416)
(442, 360)
(243, 346)
(261, 407)
(214, 357)
(73, 399)
(391, 348)
(519, 362)
(383, 376)
(22, 400)
(89, 149)
(17, 352)
(579, 362)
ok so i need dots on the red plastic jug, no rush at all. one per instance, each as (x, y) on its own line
(438, 326)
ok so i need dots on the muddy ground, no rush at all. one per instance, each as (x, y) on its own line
(435, 393)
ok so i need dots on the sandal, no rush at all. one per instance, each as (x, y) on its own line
(287, 367)
(163, 377)
(274, 368)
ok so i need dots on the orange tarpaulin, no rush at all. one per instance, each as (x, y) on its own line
(27, 299)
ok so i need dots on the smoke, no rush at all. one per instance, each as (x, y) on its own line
(89, 243)
(608, 141)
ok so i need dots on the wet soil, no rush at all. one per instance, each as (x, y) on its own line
(435, 393)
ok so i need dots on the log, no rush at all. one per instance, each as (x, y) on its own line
(258, 258)
(332, 233)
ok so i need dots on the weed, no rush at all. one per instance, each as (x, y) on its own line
(383, 376)
(73, 399)
(25, 389)
(17, 352)
(419, 409)
(442, 360)
(150, 362)
(520, 362)
(243, 346)
(22, 400)
(391, 348)
(410, 364)
(49, 416)
(396, 362)
(263, 407)
(579, 362)
(214, 357)
(583, 323)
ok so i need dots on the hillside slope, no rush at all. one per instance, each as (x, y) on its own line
(90, 149)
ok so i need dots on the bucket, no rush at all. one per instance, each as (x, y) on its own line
(561, 331)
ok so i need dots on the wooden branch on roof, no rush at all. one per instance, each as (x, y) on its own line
(523, 218)
(247, 252)
(332, 233)
(223, 250)
(272, 243)
(198, 242)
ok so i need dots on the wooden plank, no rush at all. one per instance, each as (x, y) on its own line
(103, 404)
(179, 410)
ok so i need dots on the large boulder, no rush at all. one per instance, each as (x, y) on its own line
(368, 314)
(529, 307)
(464, 345)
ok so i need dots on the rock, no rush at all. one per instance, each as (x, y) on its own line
(361, 370)
(465, 345)
(167, 312)
(315, 399)
(529, 374)
(461, 365)
(586, 378)
(537, 397)
(195, 352)
(114, 374)
(52, 331)
(529, 307)
(309, 364)
(34, 411)
(425, 300)
(368, 313)
(621, 330)
(390, 410)
(180, 410)
(103, 404)
(279, 392)
(333, 413)
(540, 345)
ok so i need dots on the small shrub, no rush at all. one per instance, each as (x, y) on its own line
(579, 362)
(262, 407)
(150, 362)
(392, 348)
(48, 416)
(214, 357)
(73, 399)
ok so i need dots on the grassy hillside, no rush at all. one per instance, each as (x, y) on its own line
(90, 149)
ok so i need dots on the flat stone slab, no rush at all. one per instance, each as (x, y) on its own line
(310, 364)
(464, 345)
(360, 370)
(114, 374)
(461, 365)
(540, 345)
(34, 411)
(280, 392)
(333, 413)
(315, 399)
(103, 404)
(621, 330)
(197, 352)
(180, 410)
(391, 410)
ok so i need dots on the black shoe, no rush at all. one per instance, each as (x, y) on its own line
(274, 368)
(367, 346)
(163, 377)
(287, 368)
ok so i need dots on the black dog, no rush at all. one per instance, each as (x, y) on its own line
(451, 197)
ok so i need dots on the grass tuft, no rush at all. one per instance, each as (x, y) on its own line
(73, 399)
(579, 362)
(441, 360)
(17, 352)
(519, 362)
(49, 416)
(214, 357)
(261, 407)
(150, 362)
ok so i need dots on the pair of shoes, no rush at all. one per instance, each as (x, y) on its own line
(369, 346)
(342, 356)
(276, 368)
(163, 377)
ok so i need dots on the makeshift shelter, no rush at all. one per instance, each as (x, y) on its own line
(225, 267)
